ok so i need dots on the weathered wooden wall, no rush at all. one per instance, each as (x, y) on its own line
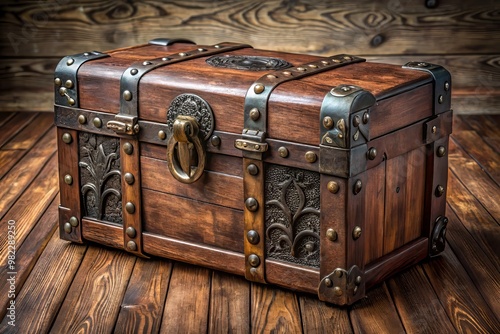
(464, 36)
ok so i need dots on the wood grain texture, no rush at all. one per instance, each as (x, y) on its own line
(374, 206)
(93, 301)
(274, 24)
(30, 206)
(28, 254)
(44, 291)
(187, 304)
(5, 117)
(462, 305)
(320, 317)
(274, 310)
(419, 309)
(15, 125)
(29, 135)
(480, 268)
(18, 179)
(385, 320)
(229, 304)
(142, 305)
(476, 181)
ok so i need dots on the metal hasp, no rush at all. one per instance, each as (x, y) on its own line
(442, 84)
(344, 131)
(342, 287)
(65, 77)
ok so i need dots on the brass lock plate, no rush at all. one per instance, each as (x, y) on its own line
(195, 106)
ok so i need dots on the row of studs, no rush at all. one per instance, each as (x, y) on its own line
(68, 180)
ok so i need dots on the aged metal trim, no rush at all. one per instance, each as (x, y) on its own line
(259, 92)
(248, 63)
(438, 236)
(442, 84)
(342, 287)
(65, 77)
(169, 41)
(126, 121)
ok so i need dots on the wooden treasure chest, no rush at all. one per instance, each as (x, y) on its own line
(318, 174)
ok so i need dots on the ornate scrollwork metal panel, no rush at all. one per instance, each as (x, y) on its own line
(195, 106)
(100, 177)
(292, 198)
(248, 63)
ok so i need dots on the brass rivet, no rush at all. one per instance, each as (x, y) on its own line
(253, 260)
(73, 221)
(63, 91)
(356, 121)
(215, 141)
(134, 71)
(328, 282)
(128, 148)
(127, 95)
(357, 187)
(82, 119)
(313, 66)
(358, 280)
(356, 233)
(57, 82)
(372, 153)
(258, 88)
(68, 84)
(131, 232)
(97, 122)
(440, 99)
(271, 76)
(287, 73)
(137, 128)
(301, 69)
(328, 122)
(131, 245)
(86, 54)
(434, 129)
(336, 61)
(324, 62)
(441, 151)
(162, 135)
(310, 156)
(446, 86)
(66, 138)
(166, 59)
(253, 237)
(439, 191)
(366, 117)
(202, 50)
(67, 227)
(130, 207)
(422, 64)
(217, 46)
(283, 151)
(345, 88)
(68, 179)
(251, 204)
(337, 291)
(129, 178)
(70, 61)
(71, 101)
(252, 169)
(338, 273)
(254, 114)
(331, 234)
(183, 54)
(333, 187)
(146, 63)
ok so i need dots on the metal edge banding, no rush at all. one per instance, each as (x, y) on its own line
(131, 196)
(65, 77)
(442, 84)
(126, 119)
(254, 131)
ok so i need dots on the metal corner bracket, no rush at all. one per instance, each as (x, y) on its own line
(342, 287)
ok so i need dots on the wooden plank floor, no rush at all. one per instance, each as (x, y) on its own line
(66, 288)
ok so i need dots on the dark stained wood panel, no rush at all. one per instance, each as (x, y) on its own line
(320, 317)
(375, 211)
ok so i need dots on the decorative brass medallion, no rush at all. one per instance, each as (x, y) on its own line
(100, 177)
(248, 63)
(292, 198)
(195, 106)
